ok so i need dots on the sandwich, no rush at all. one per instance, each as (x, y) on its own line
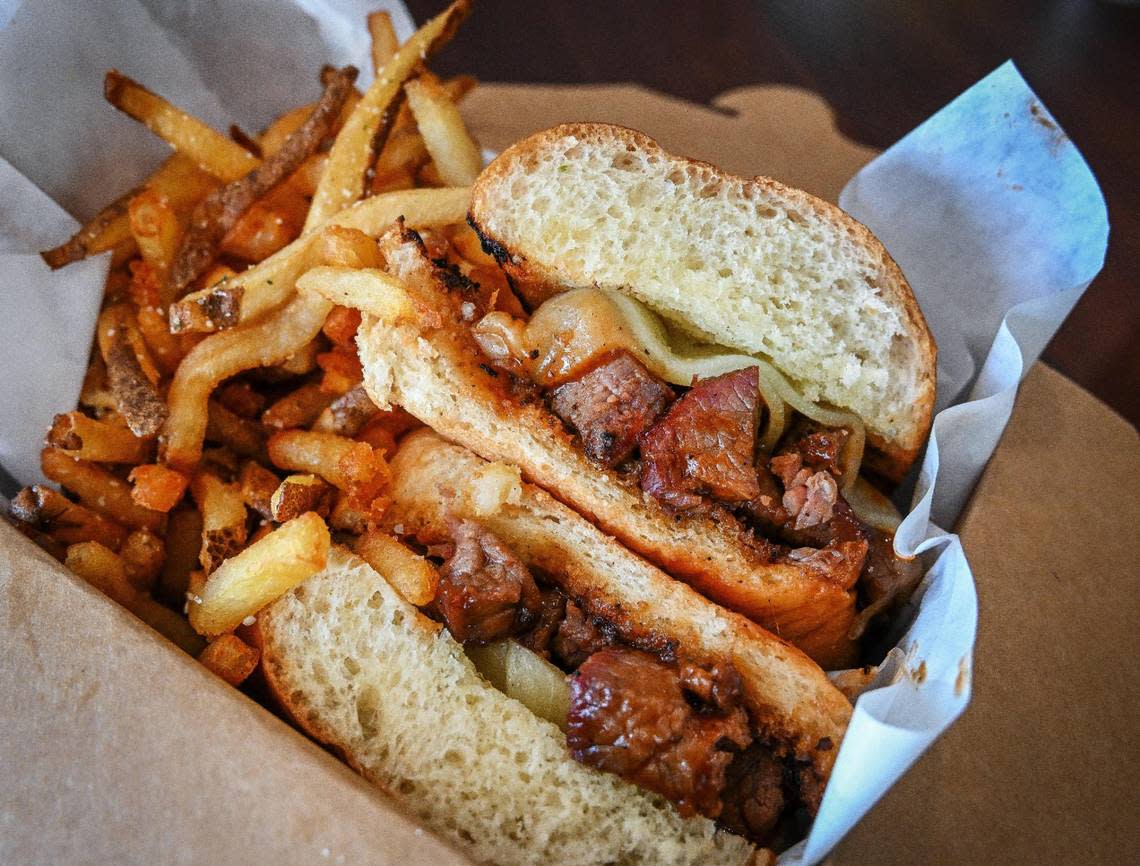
(553, 697)
(722, 374)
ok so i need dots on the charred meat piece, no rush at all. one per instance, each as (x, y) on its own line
(577, 638)
(611, 406)
(630, 715)
(818, 447)
(485, 592)
(551, 612)
(753, 795)
(705, 444)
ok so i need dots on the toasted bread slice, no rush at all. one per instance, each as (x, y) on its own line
(795, 707)
(430, 364)
(362, 670)
(749, 264)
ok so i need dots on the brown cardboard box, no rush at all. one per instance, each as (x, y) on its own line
(117, 748)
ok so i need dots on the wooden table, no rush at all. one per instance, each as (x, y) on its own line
(883, 66)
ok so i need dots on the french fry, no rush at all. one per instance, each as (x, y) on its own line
(341, 327)
(279, 130)
(156, 230)
(105, 570)
(299, 408)
(242, 399)
(95, 393)
(348, 515)
(342, 370)
(260, 574)
(211, 309)
(384, 41)
(403, 155)
(226, 354)
(268, 285)
(230, 658)
(166, 349)
(209, 149)
(412, 576)
(223, 518)
(346, 248)
(454, 152)
(307, 177)
(366, 128)
(300, 493)
(215, 215)
(68, 523)
(459, 86)
(157, 487)
(77, 435)
(350, 466)
(241, 435)
(247, 141)
(369, 290)
(143, 554)
(258, 485)
(269, 225)
(348, 414)
(131, 372)
(98, 489)
(183, 540)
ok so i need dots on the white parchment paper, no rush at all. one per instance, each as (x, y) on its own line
(987, 206)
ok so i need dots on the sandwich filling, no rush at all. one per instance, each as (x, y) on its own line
(630, 704)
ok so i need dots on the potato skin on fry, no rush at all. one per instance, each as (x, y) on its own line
(230, 658)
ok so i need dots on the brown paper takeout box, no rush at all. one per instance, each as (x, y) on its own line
(117, 748)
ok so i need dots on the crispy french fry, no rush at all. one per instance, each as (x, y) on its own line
(300, 493)
(131, 372)
(78, 436)
(230, 658)
(215, 215)
(454, 152)
(384, 41)
(459, 86)
(412, 576)
(98, 489)
(241, 435)
(279, 130)
(350, 466)
(307, 177)
(211, 309)
(347, 248)
(223, 518)
(342, 369)
(226, 354)
(166, 349)
(368, 125)
(269, 225)
(95, 393)
(270, 284)
(143, 554)
(157, 487)
(209, 149)
(241, 398)
(299, 408)
(183, 539)
(349, 413)
(258, 485)
(53, 513)
(247, 141)
(403, 154)
(376, 435)
(341, 327)
(156, 230)
(299, 363)
(369, 290)
(260, 574)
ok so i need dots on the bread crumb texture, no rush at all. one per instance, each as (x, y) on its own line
(748, 263)
(363, 670)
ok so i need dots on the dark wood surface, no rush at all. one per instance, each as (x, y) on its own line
(884, 67)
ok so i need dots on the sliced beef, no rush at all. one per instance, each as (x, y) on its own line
(611, 406)
(704, 445)
(818, 447)
(578, 637)
(753, 795)
(551, 612)
(633, 715)
(485, 592)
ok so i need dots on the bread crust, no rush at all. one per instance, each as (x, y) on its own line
(435, 370)
(536, 280)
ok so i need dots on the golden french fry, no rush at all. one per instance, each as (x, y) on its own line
(368, 125)
(384, 41)
(230, 658)
(348, 465)
(347, 415)
(412, 576)
(260, 574)
(299, 408)
(242, 399)
(459, 86)
(68, 523)
(300, 493)
(131, 371)
(258, 485)
(98, 489)
(77, 435)
(223, 518)
(156, 230)
(241, 435)
(208, 148)
(157, 487)
(454, 152)
(143, 554)
(269, 225)
(370, 290)
(348, 515)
